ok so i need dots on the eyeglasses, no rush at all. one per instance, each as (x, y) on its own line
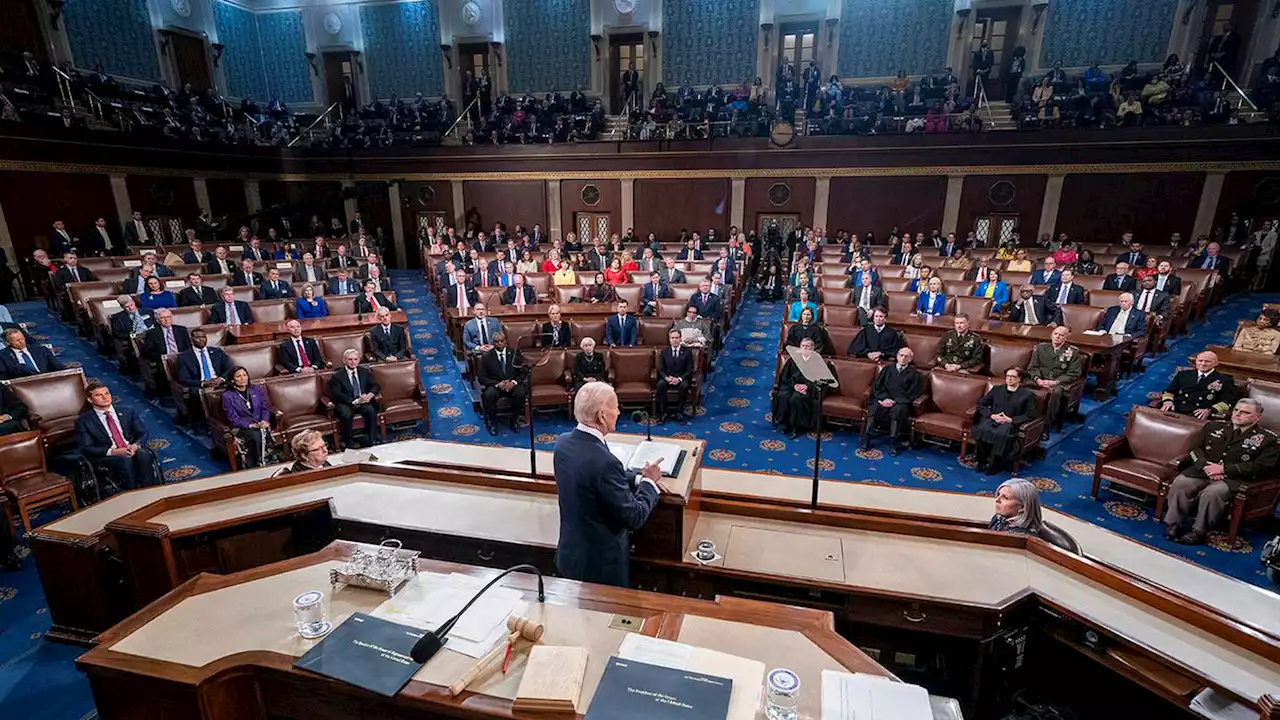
(317, 448)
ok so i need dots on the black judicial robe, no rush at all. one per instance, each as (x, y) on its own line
(812, 331)
(1020, 405)
(888, 341)
(793, 410)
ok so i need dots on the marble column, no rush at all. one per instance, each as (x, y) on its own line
(202, 194)
(554, 223)
(120, 193)
(6, 241)
(459, 207)
(951, 210)
(1052, 201)
(1210, 194)
(737, 202)
(821, 202)
(349, 205)
(628, 203)
(252, 196)
(398, 239)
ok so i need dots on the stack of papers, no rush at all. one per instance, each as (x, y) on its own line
(429, 600)
(859, 696)
(1212, 704)
(747, 674)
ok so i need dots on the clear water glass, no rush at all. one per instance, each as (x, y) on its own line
(309, 614)
(782, 695)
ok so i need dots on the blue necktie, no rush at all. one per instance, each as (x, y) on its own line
(206, 370)
(28, 360)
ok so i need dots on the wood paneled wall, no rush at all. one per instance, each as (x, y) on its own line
(510, 202)
(869, 204)
(1100, 207)
(34, 200)
(983, 195)
(756, 199)
(1254, 195)
(170, 196)
(665, 207)
(226, 197)
(572, 202)
(375, 209)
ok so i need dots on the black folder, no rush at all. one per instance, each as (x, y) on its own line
(631, 690)
(367, 652)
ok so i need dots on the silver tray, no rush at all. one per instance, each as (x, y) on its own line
(387, 569)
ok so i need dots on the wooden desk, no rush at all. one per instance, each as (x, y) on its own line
(332, 325)
(1242, 364)
(221, 647)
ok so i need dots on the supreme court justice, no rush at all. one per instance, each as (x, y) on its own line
(960, 350)
(1201, 392)
(675, 375)
(807, 328)
(895, 388)
(795, 399)
(353, 390)
(877, 341)
(588, 365)
(1054, 365)
(115, 437)
(601, 502)
(387, 341)
(1002, 411)
(1224, 455)
(500, 372)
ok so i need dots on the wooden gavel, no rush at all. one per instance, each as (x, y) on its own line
(520, 628)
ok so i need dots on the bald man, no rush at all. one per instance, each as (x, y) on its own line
(1203, 392)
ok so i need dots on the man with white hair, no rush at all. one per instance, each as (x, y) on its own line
(1202, 391)
(599, 505)
(1124, 319)
(1223, 456)
(352, 390)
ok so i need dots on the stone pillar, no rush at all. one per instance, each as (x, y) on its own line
(951, 210)
(398, 239)
(120, 193)
(1052, 201)
(554, 224)
(349, 205)
(1208, 208)
(459, 206)
(202, 194)
(6, 242)
(252, 197)
(821, 202)
(628, 203)
(737, 202)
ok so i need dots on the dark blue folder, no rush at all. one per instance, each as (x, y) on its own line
(631, 690)
(367, 652)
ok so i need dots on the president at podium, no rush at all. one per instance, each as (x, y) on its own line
(601, 502)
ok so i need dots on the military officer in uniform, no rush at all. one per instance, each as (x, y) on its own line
(960, 350)
(896, 387)
(1202, 392)
(1054, 365)
(1225, 455)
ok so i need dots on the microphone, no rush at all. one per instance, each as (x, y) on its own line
(432, 642)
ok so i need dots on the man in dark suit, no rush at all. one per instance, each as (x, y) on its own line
(1166, 280)
(599, 507)
(675, 374)
(101, 240)
(221, 264)
(115, 438)
(370, 300)
(197, 255)
(1212, 260)
(297, 354)
(866, 297)
(1032, 309)
(389, 342)
(136, 232)
(165, 338)
(254, 252)
(500, 372)
(1066, 291)
(13, 413)
(1120, 279)
(1151, 300)
(519, 294)
(342, 285)
(1135, 257)
(356, 225)
(707, 302)
(131, 320)
(672, 275)
(597, 258)
(229, 310)
(651, 293)
(195, 293)
(689, 252)
(365, 271)
(202, 365)
(460, 294)
(948, 248)
(1124, 319)
(61, 241)
(352, 391)
(1203, 392)
(1048, 275)
(71, 272)
(342, 260)
(555, 333)
(978, 273)
(621, 330)
(895, 388)
(245, 275)
(309, 270)
(273, 288)
(18, 359)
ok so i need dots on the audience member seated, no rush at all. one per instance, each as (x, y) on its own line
(381, 281)
(1227, 454)
(249, 415)
(1019, 263)
(1086, 265)
(807, 328)
(1121, 279)
(867, 296)
(1001, 412)
(794, 310)
(156, 296)
(1066, 291)
(18, 360)
(675, 375)
(298, 354)
(13, 413)
(795, 399)
(115, 438)
(895, 389)
(961, 350)
(1017, 508)
(353, 392)
(1054, 365)
(994, 288)
(1048, 275)
(71, 272)
(621, 329)
(652, 292)
(165, 338)
(696, 331)
(308, 271)
(273, 288)
(478, 333)
(130, 320)
(555, 333)
(588, 365)
(195, 293)
(310, 451)
(500, 373)
(1261, 338)
(933, 302)
(1032, 309)
(221, 264)
(1149, 268)
(958, 259)
(309, 306)
(230, 311)
(708, 303)
(519, 295)
(1151, 300)
(460, 294)
(202, 365)
(1124, 319)
(1203, 392)
(877, 341)
(370, 300)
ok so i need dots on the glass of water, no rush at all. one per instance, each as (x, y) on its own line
(782, 696)
(310, 616)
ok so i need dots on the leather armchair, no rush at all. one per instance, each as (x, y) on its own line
(549, 381)
(300, 402)
(1267, 393)
(633, 372)
(977, 308)
(1146, 456)
(25, 478)
(850, 399)
(403, 398)
(1002, 355)
(949, 406)
(653, 331)
(54, 402)
(258, 358)
(333, 346)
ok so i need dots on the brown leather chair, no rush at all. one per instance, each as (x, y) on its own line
(271, 311)
(540, 282)
(960, 288)
(1145, 457)
(1029, 433)
(684, 291)
(671, 309)
(839, 315)
(1016, 279)
(836, 296)
(948, 408)
(548, 380)
(1082, 317)
(1106, 298)
(593, 329)
(976, 307)
(190, 317)
(490, 296)
(895, 284)
(1267, 393)
(900, 303)
(54, 402)
(403, 398)
(300, 402)
(26, 480)
(341, 304)
(833, 282)
(653, 331)
(629, 292)
(217, 334)
(258, 358)
(565, 293)
(219, 428)
(244, 293)
(633, 372)
(517, 329)
(850, 399)
(950, 275)
(333, 346)
(1003, 354)
(924, 346)
(319, 287)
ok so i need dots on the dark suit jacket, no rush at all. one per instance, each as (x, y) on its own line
(364, 306)
(1041, 277)
(287, 354)
(451, 296)
(11, 369)
(63, 277)
(709, 308)
(153, 347)
(599, 510)
(259, 255)
(1172, 285)
(491, 371)
(336, 287)
(342, 261)
(393, 344)
(131, 232)
(122, 324)
(1125, 283)
(509, 296)
(681, 367)
(93, 439)
(687, 254)
(1219, 263)
(189, 257)
(971, 274)
(340, 390)
(672, 277)
(876, 297)
(188, 367)
(1075, 294)
(1161, 303)
(218, 312)
(212, 267)
(1135, 260)
(1046, 312)
(282, 290)
(1136, 326)
(189, 296)
(616, 334)
(240, 278)
(549, 336)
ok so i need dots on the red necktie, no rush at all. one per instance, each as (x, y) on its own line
(520, 297)
(462, 298)
(114, 428)
(302, 355)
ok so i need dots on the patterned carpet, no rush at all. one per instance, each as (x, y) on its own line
(39, 682)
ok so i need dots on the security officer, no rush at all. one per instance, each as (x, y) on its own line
(1054, 365)
(1202, 392)
(960, 350)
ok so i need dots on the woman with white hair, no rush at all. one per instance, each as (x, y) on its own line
(588, 365)
(1017, 508)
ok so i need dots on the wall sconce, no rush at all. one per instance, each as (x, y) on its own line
(311, 60)
(448, 54)
(217, 53)
(963, 14)
(767, 29)
(1039, 8)
(55, 11)
(1191, 8)
(653, 40)
(497, 50)
(595, 42)
(831, 30)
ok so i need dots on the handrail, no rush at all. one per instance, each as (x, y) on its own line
(983, 101)
(64, 87)
(315, 122)
(461, 115)
(1227, 79)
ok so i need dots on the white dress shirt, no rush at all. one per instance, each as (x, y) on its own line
(1122, 319)
(102, 418)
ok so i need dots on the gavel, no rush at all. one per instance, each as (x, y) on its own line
(520, 628)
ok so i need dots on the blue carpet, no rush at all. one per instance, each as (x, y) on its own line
(39, 682)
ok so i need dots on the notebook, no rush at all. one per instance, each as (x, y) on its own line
(635, 457)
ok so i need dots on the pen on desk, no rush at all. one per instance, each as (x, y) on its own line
(506, 660)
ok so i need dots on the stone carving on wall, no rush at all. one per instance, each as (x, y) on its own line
(470, 13)
(181, 8)
(624, 7)
(332, 23)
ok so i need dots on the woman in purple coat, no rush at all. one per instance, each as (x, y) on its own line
(249, 415)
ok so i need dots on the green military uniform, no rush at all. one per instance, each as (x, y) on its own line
(1064, 365)
(1189, 392)
(963, 350)
(1244, 453)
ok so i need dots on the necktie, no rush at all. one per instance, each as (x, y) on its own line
(1146, 300)
(355, 384)
(1062, 294)
(519, 297)
(373, 301)
(303, 360)
(484, 334)
(1199, 378)
(233, 317)
(276, 286)
(1160, 282)
(865, 302)
(502, 361)
(982, 274)
(113, 427)
(206, 368)
(1031, 313)
(1122, 318)
(75, 274)
(25, 357)
(169, 343)
(139, 325)
(462, 297)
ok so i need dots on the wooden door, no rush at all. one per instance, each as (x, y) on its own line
(999, 28)
(787, 223)
(625, 51)
(191, 61)
(339, 80)
(995, 228)
(473, 61)
(591, 225)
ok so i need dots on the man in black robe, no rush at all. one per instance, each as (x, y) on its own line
(895, 389)
(795, 400)
(877, 341)
(1002, 412)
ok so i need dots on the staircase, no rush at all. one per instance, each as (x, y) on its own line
(615, 127)
(1001, 117)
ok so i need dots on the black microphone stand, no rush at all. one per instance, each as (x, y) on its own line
(432, 642)
(817, 446)
(527, 381)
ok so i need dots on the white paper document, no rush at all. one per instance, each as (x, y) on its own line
(747, 674)
(1212, 704)
(635, 457)
(655, 651)
(860, 696)
(1095, 332)
(429, 600)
